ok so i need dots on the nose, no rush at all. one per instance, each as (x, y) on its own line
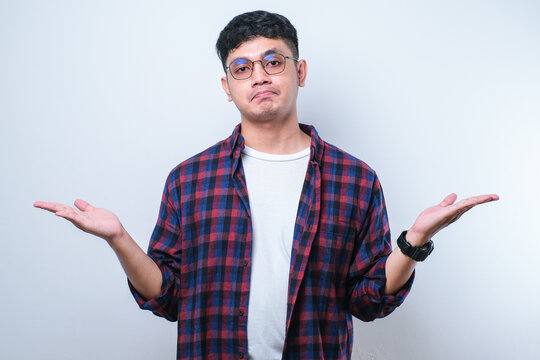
(259, 75)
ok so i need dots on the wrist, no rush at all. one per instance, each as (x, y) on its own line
(416, 239)
(117, 240)
(415, 252)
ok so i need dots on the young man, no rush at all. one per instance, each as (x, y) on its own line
(269, 242)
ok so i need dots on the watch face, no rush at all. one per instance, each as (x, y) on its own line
(425, 250)
(430, 248)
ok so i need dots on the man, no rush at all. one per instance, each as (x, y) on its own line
(268, 242)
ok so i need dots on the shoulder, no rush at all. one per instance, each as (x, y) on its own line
(337, 162)
(350, 183)
(213, 157)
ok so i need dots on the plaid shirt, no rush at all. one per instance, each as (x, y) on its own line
(202, 244)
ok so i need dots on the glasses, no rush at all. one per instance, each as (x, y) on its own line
(272, 64)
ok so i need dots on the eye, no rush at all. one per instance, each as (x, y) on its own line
(240, 70)
(273, 61)
(240, 66)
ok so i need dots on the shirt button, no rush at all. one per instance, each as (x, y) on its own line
(241, 355)
(244, 263)
(241, 312)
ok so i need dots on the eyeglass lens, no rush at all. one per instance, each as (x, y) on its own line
(242, 68)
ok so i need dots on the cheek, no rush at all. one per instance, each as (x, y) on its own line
(237, 91)
(291, 89)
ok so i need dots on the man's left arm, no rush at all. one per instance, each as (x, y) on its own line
(399, 267)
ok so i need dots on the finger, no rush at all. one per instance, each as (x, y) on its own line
(453, 219)
(459, 213)
(448, 200)
(82, 205)
(49, 206)
(70, 214)
(476, 200)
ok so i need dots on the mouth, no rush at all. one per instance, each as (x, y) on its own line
(263, 93)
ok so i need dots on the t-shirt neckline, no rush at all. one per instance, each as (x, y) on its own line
(274, 157)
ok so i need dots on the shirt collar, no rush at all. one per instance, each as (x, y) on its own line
(237, 143)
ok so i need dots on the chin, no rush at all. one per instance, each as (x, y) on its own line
(263, 116)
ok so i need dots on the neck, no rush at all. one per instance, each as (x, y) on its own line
(274, 137)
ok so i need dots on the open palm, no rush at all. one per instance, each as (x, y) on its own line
(96, 221)
(435, 218)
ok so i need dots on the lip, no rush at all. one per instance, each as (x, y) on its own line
(263, 93)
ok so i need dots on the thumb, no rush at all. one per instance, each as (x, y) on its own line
(82, 205)
(448, 200)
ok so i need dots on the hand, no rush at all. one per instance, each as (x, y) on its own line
(99, 222)
(435, 218)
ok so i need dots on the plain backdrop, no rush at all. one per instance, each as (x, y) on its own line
(99, 100)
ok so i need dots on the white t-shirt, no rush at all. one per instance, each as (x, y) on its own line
(274, 184)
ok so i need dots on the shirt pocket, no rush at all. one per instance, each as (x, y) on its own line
(332, 250)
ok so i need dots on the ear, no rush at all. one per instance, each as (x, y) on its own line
(301, 72)
(225, 85)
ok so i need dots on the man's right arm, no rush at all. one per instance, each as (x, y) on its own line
(141, 270)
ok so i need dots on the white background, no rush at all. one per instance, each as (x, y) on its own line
(101, 99)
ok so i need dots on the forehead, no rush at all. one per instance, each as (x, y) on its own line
(256, 47)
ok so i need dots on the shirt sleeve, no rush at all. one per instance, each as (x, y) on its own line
(165, 249)
(367, 274)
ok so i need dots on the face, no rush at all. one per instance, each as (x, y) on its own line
(263, 97)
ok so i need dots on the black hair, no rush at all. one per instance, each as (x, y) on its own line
(246, 26)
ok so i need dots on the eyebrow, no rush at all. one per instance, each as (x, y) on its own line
(267, 52)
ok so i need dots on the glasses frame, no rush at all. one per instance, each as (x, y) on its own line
(262, 65)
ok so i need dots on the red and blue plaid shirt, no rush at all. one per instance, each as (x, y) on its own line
(202, 244)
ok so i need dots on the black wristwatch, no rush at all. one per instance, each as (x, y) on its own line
(417, 253)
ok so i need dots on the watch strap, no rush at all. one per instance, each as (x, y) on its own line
(417, 253)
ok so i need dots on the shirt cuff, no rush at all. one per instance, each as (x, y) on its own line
(368, 300)
(159, 305)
